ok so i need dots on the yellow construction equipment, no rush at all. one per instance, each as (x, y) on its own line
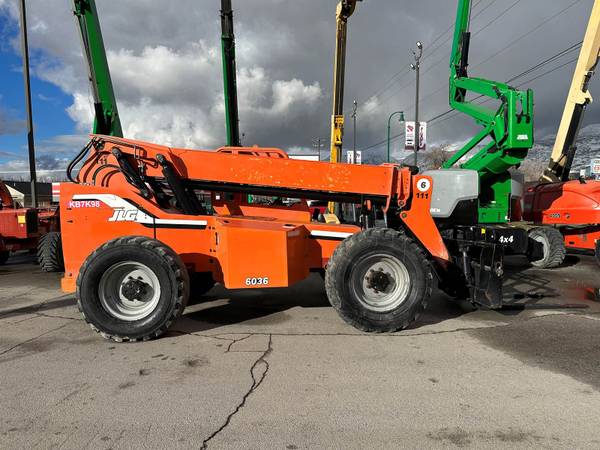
(345, 9)
(579, 98)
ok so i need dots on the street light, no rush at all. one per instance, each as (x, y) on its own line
(354, 112)
(417, 68)
(389, 130)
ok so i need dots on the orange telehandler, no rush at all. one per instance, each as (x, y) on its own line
(137, 238)
(144, 225)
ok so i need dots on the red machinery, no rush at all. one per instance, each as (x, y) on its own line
(567, 213)
(571, 210)
(22, 228)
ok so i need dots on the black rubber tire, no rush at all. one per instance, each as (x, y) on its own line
(50, 253)
(597, 253)
(166, 265)
(365, 244)
(4, 257)
(200, 284)
(554, 247)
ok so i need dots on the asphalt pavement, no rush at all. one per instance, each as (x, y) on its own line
(278, 369)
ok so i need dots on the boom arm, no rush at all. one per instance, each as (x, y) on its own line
(579, 98)
(107, 120)
(344, 10)
(229, 75)
(509, 127)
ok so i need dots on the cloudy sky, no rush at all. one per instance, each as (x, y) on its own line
(166, 68)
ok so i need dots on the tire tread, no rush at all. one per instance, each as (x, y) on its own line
(399, 239)
(175, 265)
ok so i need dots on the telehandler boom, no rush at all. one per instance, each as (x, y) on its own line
(106, 120)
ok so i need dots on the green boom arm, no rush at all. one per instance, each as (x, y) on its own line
(509, 127)
(105, 106)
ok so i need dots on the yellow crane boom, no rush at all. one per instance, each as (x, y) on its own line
(579, 98)
(344, 10)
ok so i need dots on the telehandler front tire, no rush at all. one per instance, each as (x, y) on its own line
(553, 243)
(379, 280)
(132, 289)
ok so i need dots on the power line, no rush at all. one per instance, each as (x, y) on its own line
(490, 23)
(432, 52)
(451, 113)
(495, 19)
(510, 44)
(530, 32)
(406, 69)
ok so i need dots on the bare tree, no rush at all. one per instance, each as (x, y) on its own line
(532, 169)
(437, 156)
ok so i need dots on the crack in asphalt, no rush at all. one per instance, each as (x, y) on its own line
(32, 339)
(235, 341)
(256, 382)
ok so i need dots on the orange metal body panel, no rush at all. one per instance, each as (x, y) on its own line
(419, 221)
(243, 245)
(261, 253)
(233, 248)
(570, 203)
(584, 238)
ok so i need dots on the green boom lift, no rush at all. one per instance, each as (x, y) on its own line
(507, 133)
(105, 105)
(229, 75)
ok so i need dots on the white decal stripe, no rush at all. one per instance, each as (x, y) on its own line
(116, 202)
(330, 234)
(200, 223)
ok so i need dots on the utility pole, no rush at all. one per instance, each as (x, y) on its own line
(26, 79)
(318, 144)
(354, 111)
(229, 75)
(417, 68)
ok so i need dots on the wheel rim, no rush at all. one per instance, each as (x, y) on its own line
(129, 291)
(380, 282)
(545, 245)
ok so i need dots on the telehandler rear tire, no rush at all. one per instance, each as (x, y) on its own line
(554, 247)
(132, 289)
(379, 280)
(4, 257)
(50, 254)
